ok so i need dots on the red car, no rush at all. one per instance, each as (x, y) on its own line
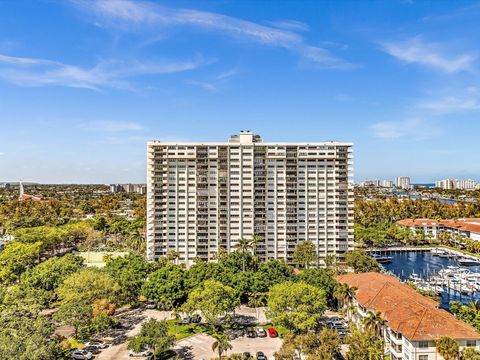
(272, 332)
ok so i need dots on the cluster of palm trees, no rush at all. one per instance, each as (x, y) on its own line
(245, 245)
(372, 323)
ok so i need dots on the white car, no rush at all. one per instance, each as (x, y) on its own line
(261, 332)
(81, 355)
(143, 353)
(97, 344)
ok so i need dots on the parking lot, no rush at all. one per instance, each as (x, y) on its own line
(200, 346)
(197, 346)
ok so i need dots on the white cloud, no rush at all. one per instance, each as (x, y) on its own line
(2, 153)
(139, 14)
(111, 126)
(416, 50)
(452, 104)
(410, 129)
(289, 24)
(26, 71)
(203, 84)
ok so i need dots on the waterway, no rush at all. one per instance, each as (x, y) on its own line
(424, 264)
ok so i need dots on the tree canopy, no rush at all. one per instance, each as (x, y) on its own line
(296, 305)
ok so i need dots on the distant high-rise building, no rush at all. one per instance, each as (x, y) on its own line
(403, 182)
(129, 188)
(205, 196)
(461, 184)
(386, 183)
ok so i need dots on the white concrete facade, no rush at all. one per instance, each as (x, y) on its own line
(203, 196)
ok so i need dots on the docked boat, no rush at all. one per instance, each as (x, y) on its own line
(382, 259)
(468, 262)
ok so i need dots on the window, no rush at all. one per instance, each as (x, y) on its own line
(471, 343)
(423, 344)
(422, 357)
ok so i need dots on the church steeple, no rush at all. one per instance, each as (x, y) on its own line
(20, 196)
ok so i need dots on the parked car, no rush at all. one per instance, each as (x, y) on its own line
(97, 344)
(251, 333)
(81, 355)
(196, 319)
(186, 320)
(94, 350)
(261, 356)
(143, 353)
(150, 306)
(272, 332)
(246, 355)
(261, 332)
(167, 355)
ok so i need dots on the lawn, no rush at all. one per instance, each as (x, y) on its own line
(181, 331)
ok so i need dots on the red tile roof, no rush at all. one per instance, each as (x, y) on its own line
(407, 312)
(29, 197)
(468, 224)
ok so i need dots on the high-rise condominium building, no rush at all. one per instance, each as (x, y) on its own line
(402, 182)
(462, 184)
(204, 196)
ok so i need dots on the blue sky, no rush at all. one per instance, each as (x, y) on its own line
(84, 84)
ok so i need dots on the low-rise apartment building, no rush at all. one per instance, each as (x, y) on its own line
(468, 227)
(412, 322)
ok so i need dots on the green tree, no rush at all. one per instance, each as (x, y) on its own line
(470, 353)
(343, 293)
(269, 273)
(154, 336)
(361, 262)
(363, 345)
(448, 348)
(328, 346)
(166, 287)
(213, 299)
(316, 346)
(322, 279)
(48, 275)
(373, 323)
(221, 344)
(243, 246)
(304, 254)
(25, 335)
(87, 285)
(296, 305)
(77, 314)
(15, 258)
(130, 272)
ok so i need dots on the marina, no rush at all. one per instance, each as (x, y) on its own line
(448, 273)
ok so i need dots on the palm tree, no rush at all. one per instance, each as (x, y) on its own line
(257, 299)
(448, 348)
(243, 246)
(374, 323)
(351, 309)
(221, 344)
(343, 293)
(475, 305)
(254, 242)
